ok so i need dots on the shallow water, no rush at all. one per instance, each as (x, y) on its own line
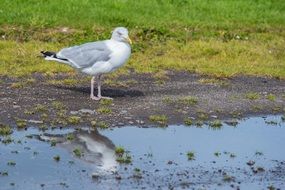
(159, 154)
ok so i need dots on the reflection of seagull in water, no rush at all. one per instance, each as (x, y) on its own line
(95, 147)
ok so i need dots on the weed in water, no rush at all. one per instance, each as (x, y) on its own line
(56, 158)
(70, 137)
(191, 155)
(216, 124)
(119, 150)
(52, 143)
(11, 163)
(5, 130)
(77, 152)
(228, 178)
(102, 125)
(217, 154)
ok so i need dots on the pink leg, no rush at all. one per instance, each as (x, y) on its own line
(99, 89)
(92, 90)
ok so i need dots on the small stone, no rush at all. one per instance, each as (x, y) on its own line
(120, 124)
(35, 121)
(74, 112)
(95, 175)
(170, 162)
(124, 111)
(250, 163)
(131, 122)
(86, 111)
(16, 106)
(214, 116)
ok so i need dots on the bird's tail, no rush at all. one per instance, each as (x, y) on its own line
(51, 56)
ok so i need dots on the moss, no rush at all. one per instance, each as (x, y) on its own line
(102, 125)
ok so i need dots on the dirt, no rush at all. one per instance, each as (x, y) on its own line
(177, 95)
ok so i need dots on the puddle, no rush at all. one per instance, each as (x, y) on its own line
(249, 156)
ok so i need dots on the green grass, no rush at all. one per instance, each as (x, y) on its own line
(218, 38)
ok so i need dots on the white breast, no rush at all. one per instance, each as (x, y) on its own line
(120, 53)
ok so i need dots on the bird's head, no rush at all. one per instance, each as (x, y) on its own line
(121, 34)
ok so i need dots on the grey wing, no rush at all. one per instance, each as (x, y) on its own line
(85, 55)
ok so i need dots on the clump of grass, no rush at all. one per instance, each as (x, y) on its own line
(104, 110)
(119, 150)
(188, 100)
(188, 121)
(159, 119)
(7, 140)
(191, 155)
(74, 120)
(77, 152)
(21, 123)
(58, 105)
(271, 97)
(216, 124)
(11, 163)
(40, 108)
(258, 153)
(68, 82)
(70, 137)
(199, 123)
(5, 130)
(4, 173)
(52, 143)
(106, 102)
(228, 178)
(217, 154)
(102, 125)
(167, 100)
(252, 96)
(56, 158)
(123, 156)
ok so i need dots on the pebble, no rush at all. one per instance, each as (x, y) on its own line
(87, 111)
(35, 121)
(16, 106)
(95, 175)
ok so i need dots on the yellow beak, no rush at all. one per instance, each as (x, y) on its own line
(129, 40)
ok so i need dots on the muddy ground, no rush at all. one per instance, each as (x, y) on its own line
(138, 99)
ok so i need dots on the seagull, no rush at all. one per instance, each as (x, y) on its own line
(96, 58)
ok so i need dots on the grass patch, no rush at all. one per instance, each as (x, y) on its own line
(159, 119)
(252, 96)
(74, 120)
(21, 123)
(5, 130)
(188, 121)
(104, 110)
(186, 35)
(271, 97)
(216, 124)
(77, 152)
(188, 100)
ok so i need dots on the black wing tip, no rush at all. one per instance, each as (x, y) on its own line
(48, 53)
